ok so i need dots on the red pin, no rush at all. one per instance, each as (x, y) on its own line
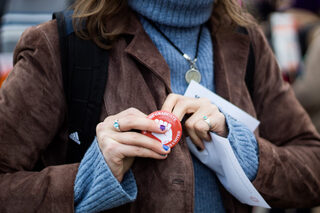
(172, 124)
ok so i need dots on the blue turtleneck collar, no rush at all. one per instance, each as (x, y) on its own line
(175, 13)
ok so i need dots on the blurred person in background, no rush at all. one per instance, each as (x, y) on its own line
(289, 25)
(307, 86)
(3, 75)
(2, 7)
(18, 15)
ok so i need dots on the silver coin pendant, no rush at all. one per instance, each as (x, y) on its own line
(193, 74)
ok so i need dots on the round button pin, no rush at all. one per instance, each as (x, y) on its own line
(172, 125)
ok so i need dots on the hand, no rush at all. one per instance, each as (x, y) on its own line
(167, 136)
(197, 125)
(119, 148)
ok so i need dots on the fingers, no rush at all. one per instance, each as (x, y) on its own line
(140, 123)
(195, 139)
(128, 120)
(202, 130)
(220, 125)
(138, 151)
(131, 119)
(183, 107)
(120, 156)
(197, 129)
(170, 102)
(208, 118)
(197, 125)
(177, 105)
(138, 146)
(117, 150)
(131, 111)
(197, 122)
(140, 140)
(180, 105)
(119, 146)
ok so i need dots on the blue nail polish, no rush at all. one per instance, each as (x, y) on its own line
(165, 147)
(162, 127)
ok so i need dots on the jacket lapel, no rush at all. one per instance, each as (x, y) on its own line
(145, 52)
(230, 51)
(136, 61)
(231, 55)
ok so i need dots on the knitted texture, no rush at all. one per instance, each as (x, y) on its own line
(186, 40)
(207, 195)
(180, 21)
(96, 189)
(176, 13)
(244, 146)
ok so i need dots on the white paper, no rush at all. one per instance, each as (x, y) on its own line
(196, 90)
(218, 154)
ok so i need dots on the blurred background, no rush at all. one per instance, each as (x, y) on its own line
(292, 28)
(15, 17)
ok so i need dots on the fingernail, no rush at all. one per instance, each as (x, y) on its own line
(164, 155)
(162, 127)
(165, 147)
(198, 148)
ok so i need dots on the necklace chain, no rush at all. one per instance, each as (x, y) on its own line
(192, 62)
(193, 73)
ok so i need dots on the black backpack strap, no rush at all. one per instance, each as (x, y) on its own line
(84, 71)
(62, 31)
(250, 65)
(250, 71)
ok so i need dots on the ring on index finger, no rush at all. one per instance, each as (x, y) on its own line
(207, 120)
(116, 125)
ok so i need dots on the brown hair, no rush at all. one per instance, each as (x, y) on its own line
(95, 13)
(238, 14)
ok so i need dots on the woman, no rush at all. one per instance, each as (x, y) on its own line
(125, 169)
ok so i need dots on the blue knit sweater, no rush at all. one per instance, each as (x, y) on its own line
(95, 188)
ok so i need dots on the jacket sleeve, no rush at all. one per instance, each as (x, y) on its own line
(96, 189)
(307, 86)
(289, 146)
(32, 110)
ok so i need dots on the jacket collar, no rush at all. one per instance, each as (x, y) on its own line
(142, 49)
(231, 49)
(145, 52)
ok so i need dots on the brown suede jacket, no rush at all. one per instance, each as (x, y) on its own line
(33, 134)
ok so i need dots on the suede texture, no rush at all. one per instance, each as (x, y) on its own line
(33, 131)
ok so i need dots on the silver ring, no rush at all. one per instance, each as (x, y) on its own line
(207, 120)
(116, 125)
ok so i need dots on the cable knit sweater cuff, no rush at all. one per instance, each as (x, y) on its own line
(96, 189)
(244, 145)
